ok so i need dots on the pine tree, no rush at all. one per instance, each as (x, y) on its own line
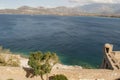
(42, 63)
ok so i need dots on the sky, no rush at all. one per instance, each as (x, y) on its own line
(49, 3)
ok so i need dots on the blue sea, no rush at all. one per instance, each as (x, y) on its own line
(78, 40)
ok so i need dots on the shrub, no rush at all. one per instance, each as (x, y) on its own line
(10, 79)
(58, 77)
(9, 60)
(13, 61)
(42, 63)
(2, 60)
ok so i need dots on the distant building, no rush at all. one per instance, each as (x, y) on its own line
(111, 59)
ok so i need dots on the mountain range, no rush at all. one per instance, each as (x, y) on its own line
(95, 9)
(101, 8)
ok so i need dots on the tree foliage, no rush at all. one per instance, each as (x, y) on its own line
(42, 63)
(59, 77)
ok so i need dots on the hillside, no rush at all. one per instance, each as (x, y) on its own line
(108, 10)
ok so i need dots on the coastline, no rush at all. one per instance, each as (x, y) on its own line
(63, 65)
(24, 60)
(24, 63)
(98, 15)
(72, 72)
(25, 56)
(24, 72)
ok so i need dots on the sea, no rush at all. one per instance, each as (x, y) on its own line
(77, 40)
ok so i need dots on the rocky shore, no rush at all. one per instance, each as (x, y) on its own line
(24, 72)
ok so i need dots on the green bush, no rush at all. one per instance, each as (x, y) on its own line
(42, 62)
(59, 77)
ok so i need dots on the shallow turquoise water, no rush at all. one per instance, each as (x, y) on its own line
(77, 40)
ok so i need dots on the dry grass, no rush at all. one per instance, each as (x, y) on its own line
(2, 61)
(7, 58)
(13, 61)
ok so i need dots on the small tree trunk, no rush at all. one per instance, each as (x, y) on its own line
(41, 77)
(47, 78)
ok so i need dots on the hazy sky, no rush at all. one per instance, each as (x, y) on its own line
(50, 3)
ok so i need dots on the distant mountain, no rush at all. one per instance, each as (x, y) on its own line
(108, 10)
(101, 8)
(25, 8)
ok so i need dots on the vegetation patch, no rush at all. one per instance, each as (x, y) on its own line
(58, 77)
(42, 63)
(8, 59)
(10, 79)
